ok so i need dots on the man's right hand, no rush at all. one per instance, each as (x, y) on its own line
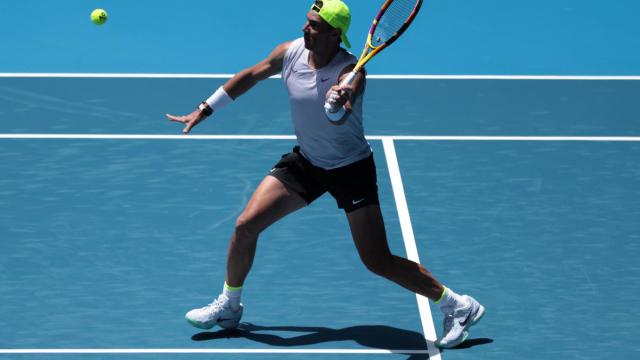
(190, 120)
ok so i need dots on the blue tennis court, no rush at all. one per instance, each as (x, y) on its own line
(520, 190)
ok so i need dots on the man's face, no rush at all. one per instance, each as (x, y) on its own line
(318, 35)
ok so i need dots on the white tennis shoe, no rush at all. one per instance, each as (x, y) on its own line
(458, 321)
(219, 312)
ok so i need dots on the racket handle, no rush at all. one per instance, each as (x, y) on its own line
(332, 108)
(334, 116)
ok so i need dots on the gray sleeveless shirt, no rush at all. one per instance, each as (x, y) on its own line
(325, 144)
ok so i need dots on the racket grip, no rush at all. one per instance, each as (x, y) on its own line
(334, 115)
(332, 109)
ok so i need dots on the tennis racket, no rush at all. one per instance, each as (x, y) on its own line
(392, 20)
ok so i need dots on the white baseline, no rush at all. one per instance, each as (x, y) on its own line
(292, 137)
(210, 351)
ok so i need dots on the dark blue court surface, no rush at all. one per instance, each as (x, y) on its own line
(106, 243)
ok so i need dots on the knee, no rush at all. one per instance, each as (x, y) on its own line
(245, 227)
(379, 265)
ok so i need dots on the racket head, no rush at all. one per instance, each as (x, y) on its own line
(392, 20)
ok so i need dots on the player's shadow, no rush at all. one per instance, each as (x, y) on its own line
(370, 336)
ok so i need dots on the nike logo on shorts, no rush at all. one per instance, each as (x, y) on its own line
(356, 202)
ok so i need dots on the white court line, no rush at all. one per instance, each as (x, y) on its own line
(115, 75)
(507, 77)
(372, 76)
(210, 351)
(292, 137)
(509, 138)
(410, 243)
(146, 137)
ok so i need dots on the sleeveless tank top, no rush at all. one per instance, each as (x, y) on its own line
(323, 143)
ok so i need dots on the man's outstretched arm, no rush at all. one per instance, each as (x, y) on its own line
(240, 83)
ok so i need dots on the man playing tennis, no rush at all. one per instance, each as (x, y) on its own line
(331, 157)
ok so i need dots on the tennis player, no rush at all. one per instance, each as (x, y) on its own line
(330, 157)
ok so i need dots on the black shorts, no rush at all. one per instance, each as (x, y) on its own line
(353, 186)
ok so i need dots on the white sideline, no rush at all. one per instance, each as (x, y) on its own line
(371, 76)
(410, 243)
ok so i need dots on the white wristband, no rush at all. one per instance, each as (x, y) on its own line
(219, 99)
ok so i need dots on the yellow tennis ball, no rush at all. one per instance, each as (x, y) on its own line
(99, 16)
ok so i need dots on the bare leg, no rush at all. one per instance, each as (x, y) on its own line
(270, 202)
(367, 229)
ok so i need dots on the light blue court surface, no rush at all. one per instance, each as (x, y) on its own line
(106, 243)
(570, 37)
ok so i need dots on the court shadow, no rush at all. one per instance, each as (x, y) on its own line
(370, 336)
(469, 343)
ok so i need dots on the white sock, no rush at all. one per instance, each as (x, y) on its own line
(233, 295)
(449, 301)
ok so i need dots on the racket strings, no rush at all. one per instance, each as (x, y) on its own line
(393, 20)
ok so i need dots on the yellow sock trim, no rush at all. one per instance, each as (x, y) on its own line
(231, 288)
(444, 292)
